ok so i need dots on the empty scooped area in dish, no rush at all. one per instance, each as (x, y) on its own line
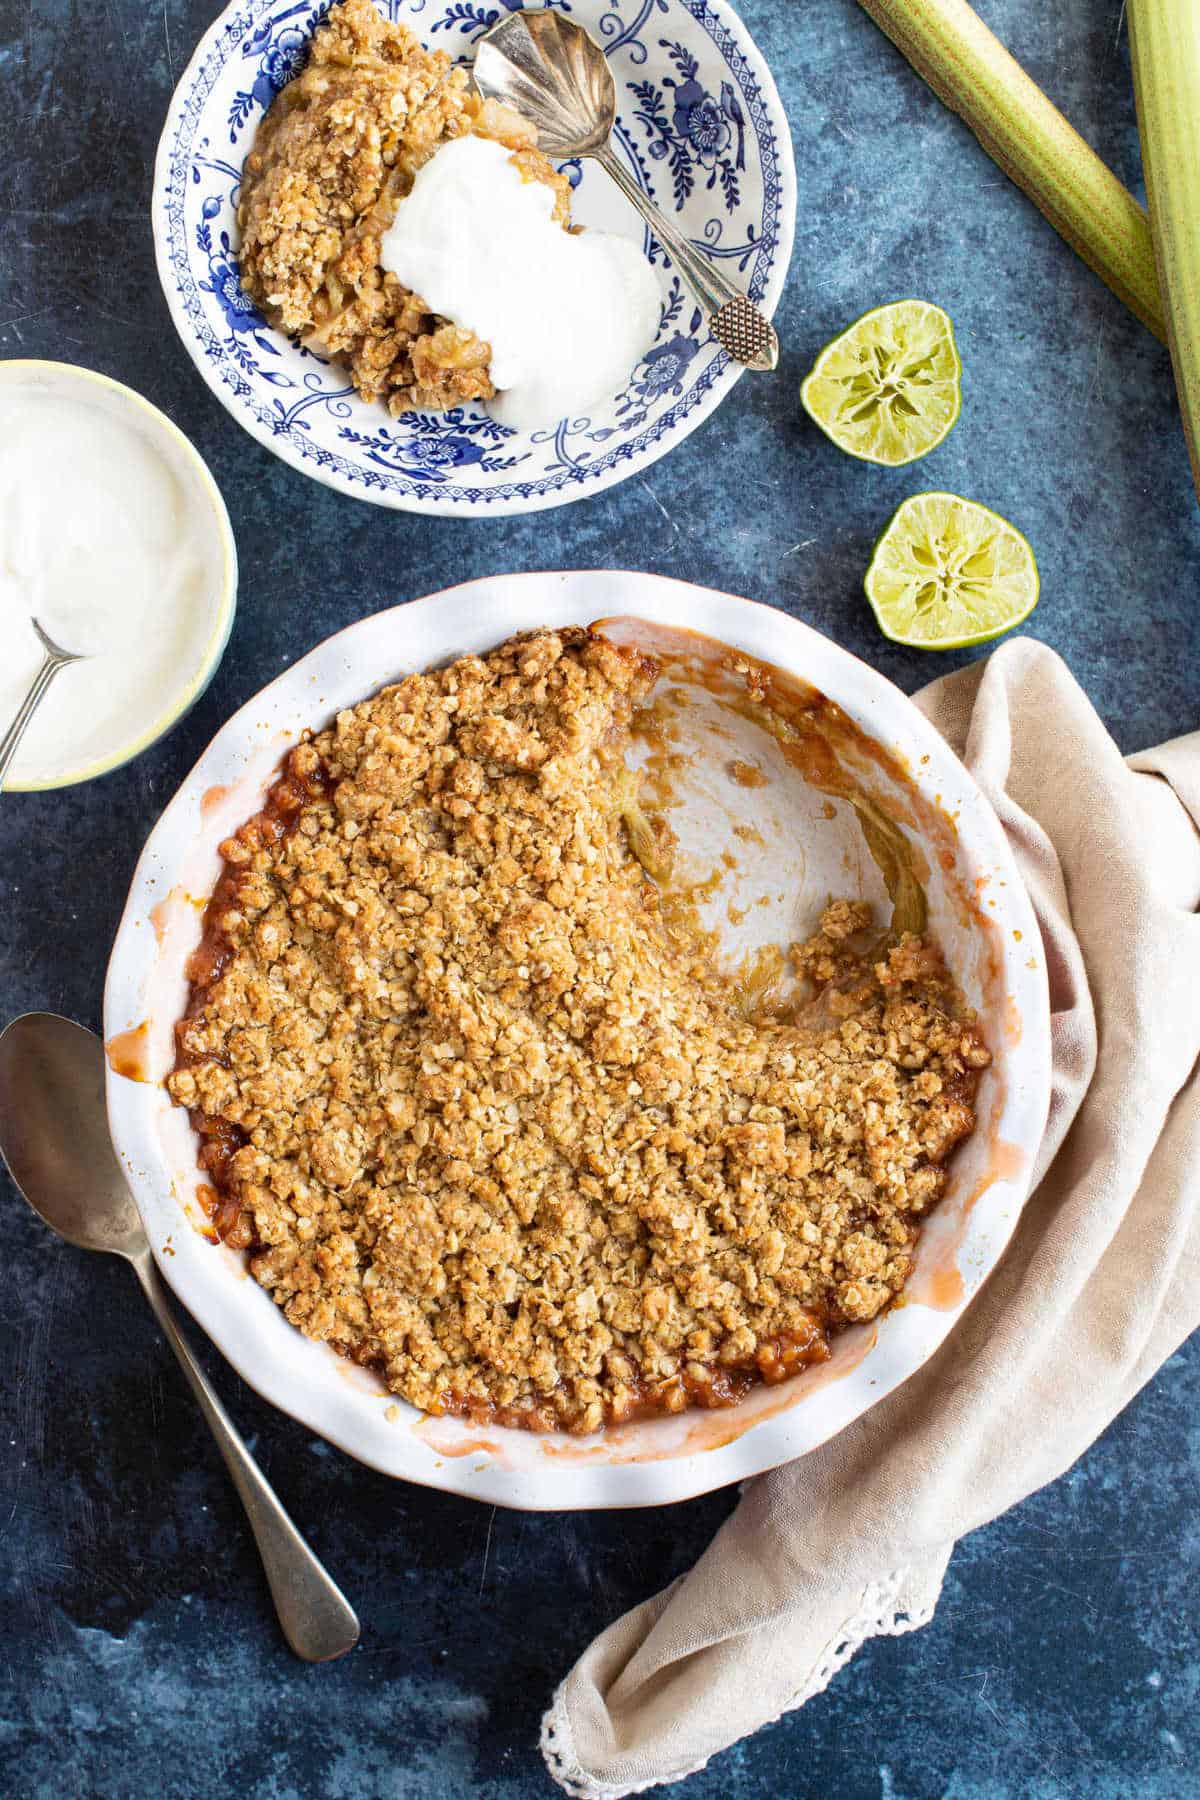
(756, 833)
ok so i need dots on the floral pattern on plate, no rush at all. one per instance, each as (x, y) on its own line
(700, 127)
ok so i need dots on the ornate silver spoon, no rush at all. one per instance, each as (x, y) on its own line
(557, 76)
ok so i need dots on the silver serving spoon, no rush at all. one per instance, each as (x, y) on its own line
(54, 1139)
(558, 77)
(56, 658)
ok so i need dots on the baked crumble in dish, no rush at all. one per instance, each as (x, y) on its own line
(333, 158)
(481, 1108)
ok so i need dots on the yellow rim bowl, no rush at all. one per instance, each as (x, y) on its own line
(177, 449)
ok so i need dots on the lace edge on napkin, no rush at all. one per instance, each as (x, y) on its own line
(900, 1602)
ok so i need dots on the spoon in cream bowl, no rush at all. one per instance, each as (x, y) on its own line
(54, 1140)
(557, 76)
(55, 659)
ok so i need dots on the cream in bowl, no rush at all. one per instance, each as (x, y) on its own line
(567, 314)
(116, 540)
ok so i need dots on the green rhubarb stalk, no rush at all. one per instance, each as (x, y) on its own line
(971, 71)
(1164, 40)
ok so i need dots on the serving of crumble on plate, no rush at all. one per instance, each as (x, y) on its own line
(333, 159)
(290, 139)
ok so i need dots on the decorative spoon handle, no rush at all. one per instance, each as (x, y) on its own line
(735, 322)
(317, 1619)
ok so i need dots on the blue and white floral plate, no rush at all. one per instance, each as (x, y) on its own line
(701, 127)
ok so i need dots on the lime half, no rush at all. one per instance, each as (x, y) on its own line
(889, 388)
(949, 572)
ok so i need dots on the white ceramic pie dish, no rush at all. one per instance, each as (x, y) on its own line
(978, 909)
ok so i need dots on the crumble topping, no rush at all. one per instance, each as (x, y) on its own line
(484, 1119)
(334, 156)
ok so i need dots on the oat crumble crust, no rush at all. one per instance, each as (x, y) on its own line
(484, 1122)
(333, 158)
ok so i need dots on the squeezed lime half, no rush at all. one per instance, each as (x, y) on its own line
(948, 572)
(889, 388)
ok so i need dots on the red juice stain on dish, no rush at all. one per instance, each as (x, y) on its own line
(363, 1376)
(212, 798)
(940, 1288)
(1006, 1163)
(940, 1285)
(126, 1052)
(160, 914)
(437, 1431)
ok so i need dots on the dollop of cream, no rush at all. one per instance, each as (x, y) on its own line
(100, 542)
(567, 315)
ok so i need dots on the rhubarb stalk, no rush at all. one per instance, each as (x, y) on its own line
(1164, 39)
(970, 70)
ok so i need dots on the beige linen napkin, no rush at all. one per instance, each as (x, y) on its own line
(1100, 1284)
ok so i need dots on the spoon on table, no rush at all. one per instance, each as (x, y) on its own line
(557, 76)
(54, 1139)
(56, 658)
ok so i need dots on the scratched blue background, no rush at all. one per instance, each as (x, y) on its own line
(138, 1653)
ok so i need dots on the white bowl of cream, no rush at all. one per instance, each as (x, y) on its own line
(114, 536)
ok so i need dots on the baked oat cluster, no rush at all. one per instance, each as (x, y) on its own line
(333, 158)
(483, 1122)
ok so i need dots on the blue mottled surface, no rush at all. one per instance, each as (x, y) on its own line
(138, 1654)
